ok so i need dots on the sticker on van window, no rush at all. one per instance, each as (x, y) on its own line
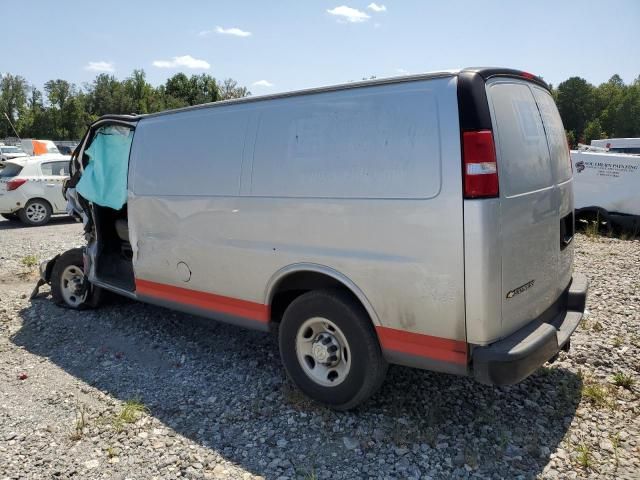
(520, 289)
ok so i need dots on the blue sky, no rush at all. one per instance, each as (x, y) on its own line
(291, 44)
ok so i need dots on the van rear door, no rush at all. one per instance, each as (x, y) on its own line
(535, 201)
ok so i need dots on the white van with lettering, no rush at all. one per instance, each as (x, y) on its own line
(425, 221)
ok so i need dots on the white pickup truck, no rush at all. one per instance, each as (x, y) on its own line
(607, 185)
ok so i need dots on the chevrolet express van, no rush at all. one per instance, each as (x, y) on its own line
(424, 221)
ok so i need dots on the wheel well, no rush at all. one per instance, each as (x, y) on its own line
(591, 214)
(44, 200)
(298, 283)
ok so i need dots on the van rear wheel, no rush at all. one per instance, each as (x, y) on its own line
(330, 350)
(69, 287)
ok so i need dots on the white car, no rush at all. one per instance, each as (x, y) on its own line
(8, 152)
(31, 188)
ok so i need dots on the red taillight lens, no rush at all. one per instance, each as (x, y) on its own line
(479, 163)
(15, 183)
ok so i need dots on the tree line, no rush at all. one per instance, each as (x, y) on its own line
(63, 110)
(609, 110)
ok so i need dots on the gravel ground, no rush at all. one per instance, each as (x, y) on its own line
(135, 391)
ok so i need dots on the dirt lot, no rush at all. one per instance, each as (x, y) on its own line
(135, 391)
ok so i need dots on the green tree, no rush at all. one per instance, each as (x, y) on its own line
(192, 91)
(575, 101)
(230, 89)
(608, 98)
(66, 111)
(139, 93)
(13, 100)
(593, 131)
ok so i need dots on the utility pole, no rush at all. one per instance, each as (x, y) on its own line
(14, 128)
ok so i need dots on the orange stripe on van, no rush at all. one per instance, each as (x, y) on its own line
(206, 301)
(436, 348)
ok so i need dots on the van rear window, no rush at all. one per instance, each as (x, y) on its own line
(555, 134)
(523, 155)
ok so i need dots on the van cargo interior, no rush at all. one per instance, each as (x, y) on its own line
(104, 183)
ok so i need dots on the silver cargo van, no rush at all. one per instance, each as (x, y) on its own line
(425, 221)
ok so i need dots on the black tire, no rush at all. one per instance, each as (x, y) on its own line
(12, 217)
(44, 215)
(368, 367)
(72, 258)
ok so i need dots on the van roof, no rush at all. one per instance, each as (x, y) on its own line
(484, 72)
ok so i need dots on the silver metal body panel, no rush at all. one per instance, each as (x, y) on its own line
(515, 267)
(240, 230)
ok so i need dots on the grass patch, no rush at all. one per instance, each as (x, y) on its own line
(80, 422)
(584, 456)
(617, 342)
(623, 380)
(29, 261)
(596, 394)
(615, 441)
(592, 229)
(311, 475)
(130, 413)
(597, 327)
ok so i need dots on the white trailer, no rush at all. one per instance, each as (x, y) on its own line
(619, 145)
(608, 185)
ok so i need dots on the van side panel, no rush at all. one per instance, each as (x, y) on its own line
(386, 214)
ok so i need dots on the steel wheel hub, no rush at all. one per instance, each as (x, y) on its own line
(323, 352)
(72, 286)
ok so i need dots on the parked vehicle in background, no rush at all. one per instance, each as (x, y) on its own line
(8, 152)
(31, 188)
(66, 149)
(34, 147)
(619, 145)
(424, 220)
(607, 187)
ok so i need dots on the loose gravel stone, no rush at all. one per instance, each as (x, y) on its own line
(135, 391)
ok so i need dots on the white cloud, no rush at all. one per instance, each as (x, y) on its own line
(349, 14)
(377, 8)
(402, 71)
(236, 32)
(100, 67)
(262, 83)
(186, 61)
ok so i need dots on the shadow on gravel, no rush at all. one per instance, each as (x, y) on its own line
(224, 388)
(17, 224)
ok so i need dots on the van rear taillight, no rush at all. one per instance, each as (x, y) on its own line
(480, 170)
(15, 183)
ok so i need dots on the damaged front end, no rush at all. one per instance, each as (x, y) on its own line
(96, 195)
(46, 268)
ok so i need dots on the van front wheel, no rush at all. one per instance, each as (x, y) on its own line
(69, 287)
(330, 350)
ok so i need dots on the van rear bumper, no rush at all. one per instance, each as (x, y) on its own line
(514, 358)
